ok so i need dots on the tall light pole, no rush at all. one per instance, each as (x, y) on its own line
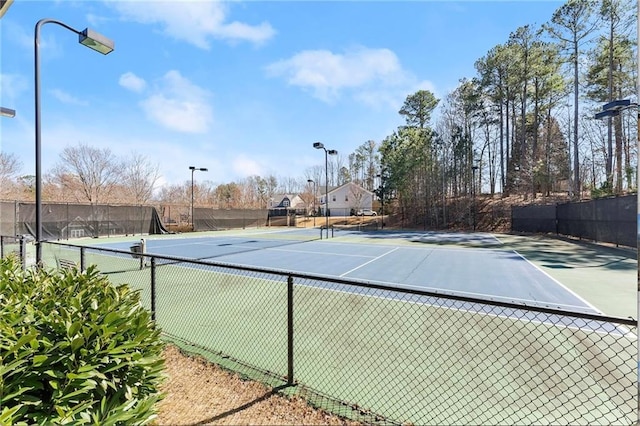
(320, 145)
(473, 191)
(92, 40)
(193, 169)
(315, 193)
(610, 110)
(381, 195)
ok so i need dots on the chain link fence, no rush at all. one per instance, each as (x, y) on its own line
(385, 355)
(67, 220)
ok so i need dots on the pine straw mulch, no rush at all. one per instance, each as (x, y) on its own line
(200, 393)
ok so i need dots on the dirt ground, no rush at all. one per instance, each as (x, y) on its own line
(200, 393)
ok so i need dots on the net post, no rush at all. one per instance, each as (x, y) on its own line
(143, 250)
(289, 330)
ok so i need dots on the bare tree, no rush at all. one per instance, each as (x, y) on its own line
(10, 166)
(92, 172)
(140, 177)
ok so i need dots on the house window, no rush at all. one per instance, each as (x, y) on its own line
(286, 203)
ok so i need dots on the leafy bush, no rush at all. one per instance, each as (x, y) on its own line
(605, 190)
(75, 349)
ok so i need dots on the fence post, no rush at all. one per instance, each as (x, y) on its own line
(289, 330)
(23, 252)
(82, 261)
(1, 247)
(153, 288)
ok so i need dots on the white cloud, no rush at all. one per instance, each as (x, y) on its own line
(180, 105)
(96, 21)
(18, 34)
(374, 77)
(193, 21)
(66, 98)
(326, 73)
(132, 82)
(394, 97)
(12, 86)
(245, 166)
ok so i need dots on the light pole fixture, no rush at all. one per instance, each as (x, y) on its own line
(320, 145)
(90, 39)
(315, 194)
(7, 112)
(381, 195)
(193, 169)
(473, 191)
(610, 110)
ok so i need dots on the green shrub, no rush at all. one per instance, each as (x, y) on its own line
(75, 349)
(605, 190)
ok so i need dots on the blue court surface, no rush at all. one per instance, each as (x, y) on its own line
(485, 271)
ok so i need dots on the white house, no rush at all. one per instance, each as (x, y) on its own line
(346, 198)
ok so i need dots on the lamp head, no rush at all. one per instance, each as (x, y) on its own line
(318, 145)
(96, 41)
(203, 169)
(332, 152)
(310, 181)
(7, 112)
(192, 167)
(607, 113)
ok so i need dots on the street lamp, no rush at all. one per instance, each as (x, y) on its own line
(473, 191)
(315, 193)
(7, 112)
(381, 195)
(94, 41)
(609, 110)
(320, 145)
(193, 169)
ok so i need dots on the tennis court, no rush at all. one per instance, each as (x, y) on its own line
(409, 356)
(484, 270)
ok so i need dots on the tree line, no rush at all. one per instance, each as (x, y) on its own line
(523, 124)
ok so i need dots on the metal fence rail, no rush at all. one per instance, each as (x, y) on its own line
(385, 355)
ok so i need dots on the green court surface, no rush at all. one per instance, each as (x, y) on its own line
(604, 276)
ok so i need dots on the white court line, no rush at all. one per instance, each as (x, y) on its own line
(560, 284)
(485, 296)
(366, 263)
(623, 330)
(586, 303)
(321, 253)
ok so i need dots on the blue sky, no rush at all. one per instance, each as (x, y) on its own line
(242, 88)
